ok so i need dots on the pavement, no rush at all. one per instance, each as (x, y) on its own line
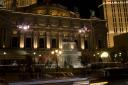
(52, 81)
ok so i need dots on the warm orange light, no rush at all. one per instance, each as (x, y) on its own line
(99, 83)
(60, 52)
(21, 45)
(56, 51)
(52, 52)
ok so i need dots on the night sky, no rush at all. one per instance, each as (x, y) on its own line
(83, 6)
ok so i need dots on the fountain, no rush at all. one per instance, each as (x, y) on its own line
(70, 56)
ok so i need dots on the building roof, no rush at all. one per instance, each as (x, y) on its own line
(49, 9)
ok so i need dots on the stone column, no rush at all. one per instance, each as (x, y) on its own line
(35, 40)
(48, 39)
(82, 42)
(60, 41)
(22, 40)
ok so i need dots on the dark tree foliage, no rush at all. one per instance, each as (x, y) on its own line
(119, 54)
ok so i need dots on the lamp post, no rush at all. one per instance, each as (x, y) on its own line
(34, 53)
(56, 53)
(5, 53)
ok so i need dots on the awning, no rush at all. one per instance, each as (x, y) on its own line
(11, 57)
(12, 54)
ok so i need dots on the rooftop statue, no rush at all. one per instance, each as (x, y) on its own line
(92, 13)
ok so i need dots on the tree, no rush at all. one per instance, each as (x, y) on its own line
(86, 57)
(119, 54)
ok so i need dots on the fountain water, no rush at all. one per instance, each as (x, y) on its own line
(70, 56)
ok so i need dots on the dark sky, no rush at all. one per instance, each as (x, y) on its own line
(83, 6)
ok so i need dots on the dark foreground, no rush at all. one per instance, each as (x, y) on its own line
(14, 75)
(73, 81)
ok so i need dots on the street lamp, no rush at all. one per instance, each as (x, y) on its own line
(57, 53)
(23, 27)
(84, 31)
(4, 53)
(84, 34)
(34, 53)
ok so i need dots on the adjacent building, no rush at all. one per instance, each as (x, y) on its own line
(116, 14)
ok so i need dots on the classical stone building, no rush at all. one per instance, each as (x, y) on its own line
(39, 29)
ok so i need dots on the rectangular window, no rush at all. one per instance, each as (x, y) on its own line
(86, 44)
(119, 19)
(125, 20)
(15, 42)
(41, 43)
(114, 19)
(114, 29)
(53, 43)
(77, 44)
(120, 29)
(28, 43)
(99, 44)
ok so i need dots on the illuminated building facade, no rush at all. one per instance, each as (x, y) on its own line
(116, 14)
(10, 4)
(38, 29)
